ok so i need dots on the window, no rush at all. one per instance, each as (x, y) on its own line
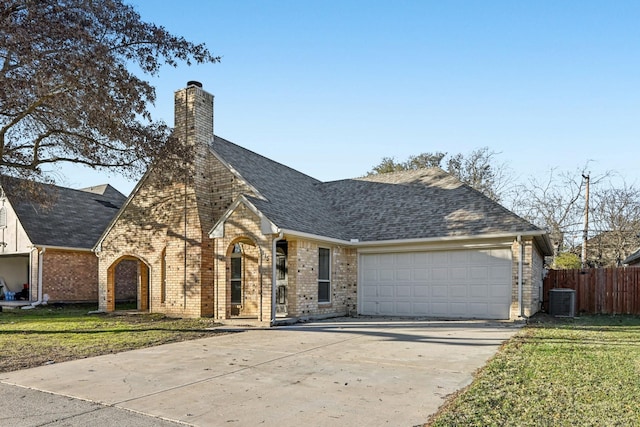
(324, 275)
(236, 275)
(3, 217)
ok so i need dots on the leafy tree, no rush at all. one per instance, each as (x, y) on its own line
(477, 169)
(567, 261)
(66, 91)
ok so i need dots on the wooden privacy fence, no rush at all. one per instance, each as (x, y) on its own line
(598, 290)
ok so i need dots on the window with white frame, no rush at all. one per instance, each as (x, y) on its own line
(3, 217)
(324, 275)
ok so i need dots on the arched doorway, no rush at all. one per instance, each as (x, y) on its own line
(128, 285)
(244, 280)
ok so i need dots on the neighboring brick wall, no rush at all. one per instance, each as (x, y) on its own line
(70, 276)
(126, 277)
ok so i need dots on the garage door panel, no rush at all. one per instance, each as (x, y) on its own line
(387, 308)
(440, 309)
(441, 274)
(420, 274)
(479, 273)
(419, 308)
(403, 274)
(458, 273)
(441, 291)
(403, 308)
(386, 291)
(479, 291)
(387, 275)
(404, 291)
(457, 291)
(464, 284)
(420, 290)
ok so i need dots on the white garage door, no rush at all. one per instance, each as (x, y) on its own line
(452, 284)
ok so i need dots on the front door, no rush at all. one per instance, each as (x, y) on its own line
(281, 281)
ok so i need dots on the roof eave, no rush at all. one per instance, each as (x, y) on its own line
(536, 234)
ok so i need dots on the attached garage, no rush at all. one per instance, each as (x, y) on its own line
(450, 284)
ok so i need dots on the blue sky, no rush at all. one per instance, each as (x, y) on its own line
(332, 87)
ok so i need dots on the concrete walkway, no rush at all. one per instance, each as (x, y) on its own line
(350, 372)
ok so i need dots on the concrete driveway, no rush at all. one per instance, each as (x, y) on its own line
(347, 372)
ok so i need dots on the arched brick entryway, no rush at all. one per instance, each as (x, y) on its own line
(115, 274)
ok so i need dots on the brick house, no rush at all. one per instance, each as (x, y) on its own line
(46, 244)
(633, 260)
(245, 236)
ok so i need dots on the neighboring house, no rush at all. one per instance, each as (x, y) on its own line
(633, 260)
(46, 239)
(244, 236)
(608, 248)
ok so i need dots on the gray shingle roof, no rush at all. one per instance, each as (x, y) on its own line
(291, 199)
(69, 218)
(632, 259)
(427, 203)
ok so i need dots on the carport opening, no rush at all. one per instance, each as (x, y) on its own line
(14, 277)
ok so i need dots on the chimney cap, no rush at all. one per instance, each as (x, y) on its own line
(194, 83)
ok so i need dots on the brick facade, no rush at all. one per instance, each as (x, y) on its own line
(303, 280)
(532, 277)
(68, 276)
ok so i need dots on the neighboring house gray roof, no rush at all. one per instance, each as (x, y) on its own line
(64, 217)
(426, 203)
(632, 259)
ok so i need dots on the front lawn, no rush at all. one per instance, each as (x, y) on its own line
(48, 334)
(557, 372)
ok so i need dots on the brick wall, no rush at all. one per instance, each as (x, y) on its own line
(532, 266)
(303, 279)
(69, 276)
(126, 280)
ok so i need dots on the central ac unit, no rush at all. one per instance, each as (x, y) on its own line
(562, 302)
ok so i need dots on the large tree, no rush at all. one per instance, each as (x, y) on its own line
(67, 89)
(477, 169)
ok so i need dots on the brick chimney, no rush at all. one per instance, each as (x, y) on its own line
(193, 120)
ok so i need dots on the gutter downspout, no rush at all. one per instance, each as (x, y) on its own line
(520, 278)
(273, 278)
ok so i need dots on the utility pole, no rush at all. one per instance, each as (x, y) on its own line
(585, 231)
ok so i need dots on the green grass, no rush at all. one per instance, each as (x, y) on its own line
(46, 334)
(557, 372)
